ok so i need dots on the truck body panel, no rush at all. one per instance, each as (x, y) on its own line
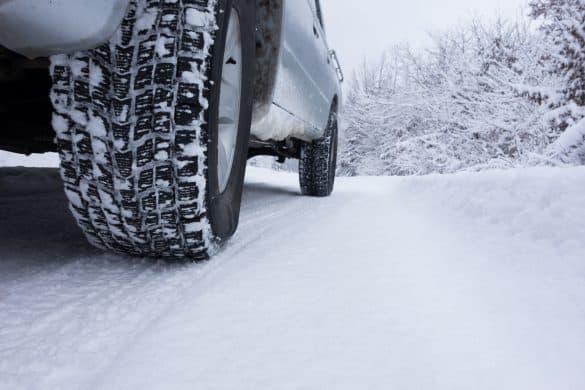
(40, 28)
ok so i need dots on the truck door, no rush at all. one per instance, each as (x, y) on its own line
(329, 82)
(304, 70)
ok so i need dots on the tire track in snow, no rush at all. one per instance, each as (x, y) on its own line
(93, 307)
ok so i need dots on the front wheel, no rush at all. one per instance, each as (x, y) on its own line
(153, 127)
(318, 162)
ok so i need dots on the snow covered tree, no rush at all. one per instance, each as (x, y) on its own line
(365, 116)
(563, 27)
(466, 103)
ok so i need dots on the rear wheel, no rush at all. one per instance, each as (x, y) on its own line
(318, 162)
(153, 127)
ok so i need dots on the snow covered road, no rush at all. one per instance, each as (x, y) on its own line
(473, 281)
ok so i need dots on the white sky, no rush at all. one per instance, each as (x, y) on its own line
(357, 29)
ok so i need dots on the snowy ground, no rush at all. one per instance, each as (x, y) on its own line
(473, 281)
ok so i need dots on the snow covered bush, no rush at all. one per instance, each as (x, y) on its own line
(482, 96)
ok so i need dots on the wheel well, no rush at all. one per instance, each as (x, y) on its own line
(269, 14)
(25, 108)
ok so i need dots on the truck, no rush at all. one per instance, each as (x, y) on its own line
(155, 106)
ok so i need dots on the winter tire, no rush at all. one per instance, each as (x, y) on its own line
(153, 127)
(318, 162)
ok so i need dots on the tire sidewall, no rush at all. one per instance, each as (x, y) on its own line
(224, 207)
(333, 151)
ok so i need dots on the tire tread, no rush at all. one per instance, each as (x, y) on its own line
(316, 167)
(131, 128)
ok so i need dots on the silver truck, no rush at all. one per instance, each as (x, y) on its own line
(156, 105)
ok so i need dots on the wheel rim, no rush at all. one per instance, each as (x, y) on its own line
(229, 101)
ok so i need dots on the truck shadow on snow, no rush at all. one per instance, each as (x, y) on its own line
(35, 223)
(36, 226)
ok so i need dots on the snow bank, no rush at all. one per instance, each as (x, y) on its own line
(537, 205)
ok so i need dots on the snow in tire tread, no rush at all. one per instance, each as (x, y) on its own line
(130, 122)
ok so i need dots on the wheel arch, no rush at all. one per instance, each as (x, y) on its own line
(269, 19)
(28, 26)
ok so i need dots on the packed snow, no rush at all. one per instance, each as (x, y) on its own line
(468, 281)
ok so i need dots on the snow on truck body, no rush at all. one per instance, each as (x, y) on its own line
(296, 73)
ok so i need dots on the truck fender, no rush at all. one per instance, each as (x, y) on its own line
(40, 28)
